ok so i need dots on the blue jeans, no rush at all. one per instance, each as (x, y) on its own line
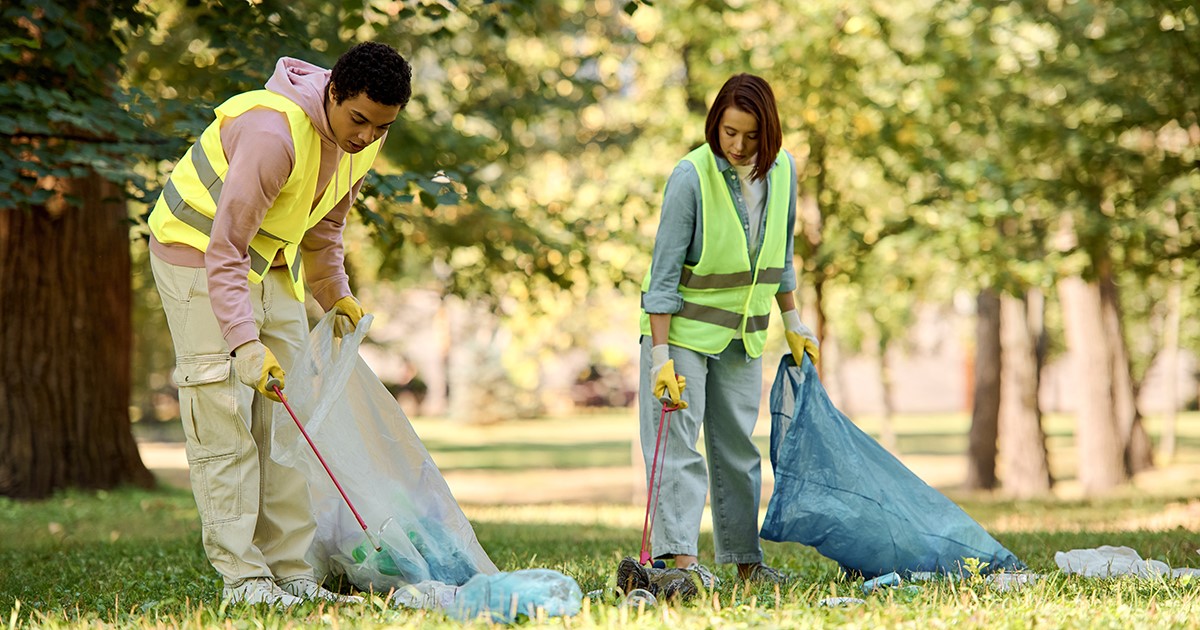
(723, 394)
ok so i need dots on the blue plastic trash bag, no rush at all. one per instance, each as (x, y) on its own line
(838, 490)
(501, 597)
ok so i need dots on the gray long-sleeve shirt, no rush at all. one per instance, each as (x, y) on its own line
(680, 238)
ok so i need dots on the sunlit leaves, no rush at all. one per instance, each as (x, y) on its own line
(62, 114)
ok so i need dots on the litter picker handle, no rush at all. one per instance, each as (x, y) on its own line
(665, 399)
(654, 485)
(274, 385)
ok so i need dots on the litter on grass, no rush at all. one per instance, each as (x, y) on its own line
(1107, 561)
(504, 597)
(840, 602)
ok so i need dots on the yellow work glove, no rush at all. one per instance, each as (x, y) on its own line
(668, 386)
(800, 338)
(256, 365)
(349, 312)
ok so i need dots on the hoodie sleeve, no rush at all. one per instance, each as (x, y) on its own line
(324, 256)
(258, 146)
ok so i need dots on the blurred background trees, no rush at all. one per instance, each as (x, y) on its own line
(1031, 166)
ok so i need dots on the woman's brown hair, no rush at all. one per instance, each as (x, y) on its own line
(753, 95)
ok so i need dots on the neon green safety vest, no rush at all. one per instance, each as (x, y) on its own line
(723, 293)
(185, 210)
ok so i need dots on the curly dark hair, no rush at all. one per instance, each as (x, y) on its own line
(376, 69)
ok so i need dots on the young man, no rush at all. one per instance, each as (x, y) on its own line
(255, 205)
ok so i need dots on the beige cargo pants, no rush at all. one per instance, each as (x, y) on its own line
(255, 514)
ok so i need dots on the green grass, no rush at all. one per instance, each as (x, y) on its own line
(132, 558)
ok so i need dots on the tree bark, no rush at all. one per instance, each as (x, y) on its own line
(888, 424)
(1136, 445)
(985, 411)
(67, 344)
(810, 222)
(1097, 436)
(1171, 337)
(1024, 464)
(1171, 367)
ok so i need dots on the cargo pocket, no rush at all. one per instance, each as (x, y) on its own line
(215, 432)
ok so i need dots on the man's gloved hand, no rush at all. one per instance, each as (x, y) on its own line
(349, 312)
(668, 386)
(800, 338)
(255, 365)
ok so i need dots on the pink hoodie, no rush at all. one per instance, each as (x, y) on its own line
(258, 146)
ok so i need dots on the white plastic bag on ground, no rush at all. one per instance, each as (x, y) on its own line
(368, 443)
(1109, 561)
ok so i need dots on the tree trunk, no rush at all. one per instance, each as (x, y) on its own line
(985, 411)
(810, 222)
(1025, 468)
(1171, 337)
(888, 425)
(1171, 367)
(1138, 451)
(66, 343)
(481, 390)
(822, 324)
(1097, 436)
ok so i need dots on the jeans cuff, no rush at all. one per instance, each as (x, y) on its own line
(739, 558)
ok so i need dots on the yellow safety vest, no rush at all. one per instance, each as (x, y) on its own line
(723, 293)
(185, 210)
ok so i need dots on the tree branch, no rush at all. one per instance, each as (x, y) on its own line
(82, 138)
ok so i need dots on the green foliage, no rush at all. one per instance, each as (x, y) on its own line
(61, 114)
(974, 568)
(943, 144)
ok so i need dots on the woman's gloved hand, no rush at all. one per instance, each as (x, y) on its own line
(668, 386)
(800, 338)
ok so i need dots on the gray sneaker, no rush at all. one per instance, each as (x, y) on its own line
(707, 578)
(672, 584)
(664, 584)
(259, 590)
(763, 574)
(306, 588)
(631, 576)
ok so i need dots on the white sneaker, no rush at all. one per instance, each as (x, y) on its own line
(305, 587)
(258, 590)
(707, 578)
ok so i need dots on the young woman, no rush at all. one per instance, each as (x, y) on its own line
(722, 254)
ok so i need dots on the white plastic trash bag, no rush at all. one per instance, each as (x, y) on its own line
(1108, 561)
(380, 462)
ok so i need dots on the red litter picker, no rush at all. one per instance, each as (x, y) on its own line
(273, 384)
(654, 488)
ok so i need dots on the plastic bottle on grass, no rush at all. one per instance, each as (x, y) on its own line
(388, 562)
(884, 581)
(502, 597)
(446, 561)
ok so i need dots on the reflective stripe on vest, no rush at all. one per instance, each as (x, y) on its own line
(198, 220)
(185, 210)
(722, 293)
